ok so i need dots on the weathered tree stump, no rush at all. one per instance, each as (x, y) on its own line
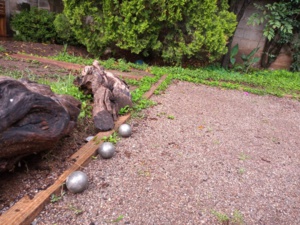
(32, 119)
(110, 94)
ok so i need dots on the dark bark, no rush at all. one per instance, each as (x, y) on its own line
(110, 95)
(32, 118)
(270, 52)
(56, 6)
(238, 8)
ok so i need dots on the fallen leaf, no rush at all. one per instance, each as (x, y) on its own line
(200, 127)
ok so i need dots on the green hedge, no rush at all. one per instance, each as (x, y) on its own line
(174, 29)
(34, 25)
(39, 25)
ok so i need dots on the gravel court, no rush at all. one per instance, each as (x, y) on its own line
(200, 151)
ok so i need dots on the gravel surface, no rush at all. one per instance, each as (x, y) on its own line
(199, 155)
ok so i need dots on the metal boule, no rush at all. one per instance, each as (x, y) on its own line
(125, 130)
(77, 182)
(106, 150)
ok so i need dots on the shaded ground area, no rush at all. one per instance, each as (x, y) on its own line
(40, 49)
(199, 155)
(37, 172)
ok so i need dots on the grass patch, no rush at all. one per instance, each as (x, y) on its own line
(113, 64)
(261, 82)
(277, 82)
(58, 84)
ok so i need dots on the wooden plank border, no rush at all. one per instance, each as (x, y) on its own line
(26, 210)
(70, 66)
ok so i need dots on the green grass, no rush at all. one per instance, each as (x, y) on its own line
(277, 82)
(261, 82)
(111, 63)
(58, 84)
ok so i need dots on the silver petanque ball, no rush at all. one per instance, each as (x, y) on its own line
(125, 130)
(77, 182)
(106, 150)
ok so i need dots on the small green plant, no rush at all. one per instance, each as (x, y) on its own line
(242, 170)
(237, 217)
(118, 219)
(233, 54)
(124, 110)
(55, 198)
(161, 114)
(243, 156)
(249, 60)
(113, 138)
(221, 217)
(96, 140)
(2, 49)
(64, 85)
(76, 210)
(123, 66)
(171, 117)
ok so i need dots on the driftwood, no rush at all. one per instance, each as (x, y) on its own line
(110, 94)
(32, 119)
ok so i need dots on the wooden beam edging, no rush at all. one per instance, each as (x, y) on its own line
(67, 65)
(26, 209)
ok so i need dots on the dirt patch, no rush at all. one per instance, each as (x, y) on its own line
(12, 47)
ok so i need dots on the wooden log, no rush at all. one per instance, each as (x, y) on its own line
(110, 94)
(32, 118)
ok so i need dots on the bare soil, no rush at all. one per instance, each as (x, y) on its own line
(199, 155)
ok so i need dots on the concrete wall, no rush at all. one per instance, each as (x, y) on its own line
(249, 37)
(43, 4)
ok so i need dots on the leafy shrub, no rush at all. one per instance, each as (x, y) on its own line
(281, 27)
(63, 30)
(295, 47)
(34, 25)
(174, 30)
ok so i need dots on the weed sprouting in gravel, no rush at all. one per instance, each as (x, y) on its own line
(242, 170)
(2, 49)
(221, 217)
(171, 117)
(77, 211)
(243, 156)
(55, 198)
(125, 110)
(237, 217)
(113, 138)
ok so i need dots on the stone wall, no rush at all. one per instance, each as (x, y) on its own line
(42, 4)
(249, 37)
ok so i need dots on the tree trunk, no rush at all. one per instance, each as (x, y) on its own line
(110, 95)
(32, 119)
(56, 6)
(238, 8)
(271, 51)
